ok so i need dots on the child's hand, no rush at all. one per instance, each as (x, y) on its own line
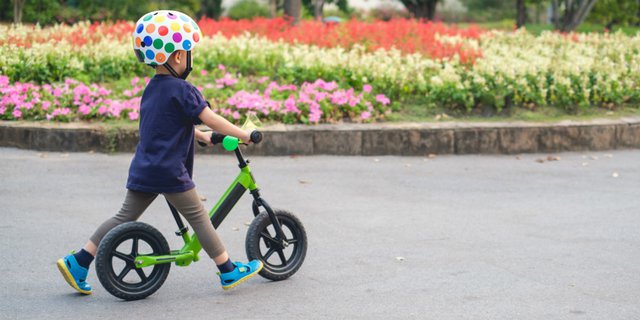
(204, 137)
(247, 137)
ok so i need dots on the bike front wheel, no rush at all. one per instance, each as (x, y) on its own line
(115, 263)
(281, 257)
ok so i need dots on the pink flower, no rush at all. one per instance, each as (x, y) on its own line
(263, 79)
(222, 67)
(84, 109)
(133, 115)
(146, 80)
(290, 105)
(236, 115)
(204, 72)
(134, 81)
(4, 81)
(366, 88)
(17, 113)
(365, 115)
(381, 98)
(57, 92)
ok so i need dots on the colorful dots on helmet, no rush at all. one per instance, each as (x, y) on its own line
(159, 19)
(169, 47)
(196, 36)
(177, 37)
(140, 28)
(150, 55)
(160, 57)
(147, 41)
(151, 28)
(170, 15)
(184, 18)
(148, 17)
(138, 42)
(175, 26)
(186, 45)
(163, 31)
(157, 43)
(194, 24)
(187, 28)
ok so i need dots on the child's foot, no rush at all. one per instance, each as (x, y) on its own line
(74, 274)
(241, 273)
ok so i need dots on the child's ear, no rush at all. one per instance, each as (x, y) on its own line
(175, 57)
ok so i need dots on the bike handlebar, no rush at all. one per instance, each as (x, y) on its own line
(230, 143)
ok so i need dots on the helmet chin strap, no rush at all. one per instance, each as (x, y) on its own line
(186, 72)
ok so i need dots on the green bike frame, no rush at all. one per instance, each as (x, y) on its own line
(243, 182)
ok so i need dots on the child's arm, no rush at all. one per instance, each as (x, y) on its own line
(221, 125)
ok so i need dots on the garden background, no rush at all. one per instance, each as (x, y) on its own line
(332, 61)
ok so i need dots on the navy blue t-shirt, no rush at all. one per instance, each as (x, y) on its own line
(163, 162)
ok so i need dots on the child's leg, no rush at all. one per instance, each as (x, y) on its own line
(189, 205)
(135, 203)
(75, 267)
(231, 274)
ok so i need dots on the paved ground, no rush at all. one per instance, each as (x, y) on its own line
(477, 237)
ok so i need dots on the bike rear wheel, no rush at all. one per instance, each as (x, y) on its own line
(115, 264)
(281, 257)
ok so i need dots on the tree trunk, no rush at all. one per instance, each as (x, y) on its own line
(638, 15)
(421, 9)
(575, 12)
(273, 8)
(555, 15)
(292, 10)
(318, 6)
(18, 5)
(522, 13)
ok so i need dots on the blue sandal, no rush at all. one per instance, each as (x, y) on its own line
(240, 274)
(74, 274)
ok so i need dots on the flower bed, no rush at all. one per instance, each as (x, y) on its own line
(507, 69)
(230, 96)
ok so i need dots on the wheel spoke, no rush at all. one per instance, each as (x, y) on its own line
(125, 257)
(282, 257)
(292, 241)
(269, 253)
(134, 247)
(141, 274)
(124, 272)
(267, 236)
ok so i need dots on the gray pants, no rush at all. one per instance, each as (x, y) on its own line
(187, 203)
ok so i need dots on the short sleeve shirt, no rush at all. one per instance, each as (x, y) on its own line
(163, 162)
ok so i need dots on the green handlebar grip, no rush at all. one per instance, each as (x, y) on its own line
(230, 143)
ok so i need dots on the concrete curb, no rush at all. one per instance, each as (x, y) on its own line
(409, 139)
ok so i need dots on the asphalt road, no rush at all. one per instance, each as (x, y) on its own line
(452, 237)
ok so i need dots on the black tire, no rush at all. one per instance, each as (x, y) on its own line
(108, 258)
(261, 239)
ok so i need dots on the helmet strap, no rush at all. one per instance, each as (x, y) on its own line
(186, 72)
(170, 68)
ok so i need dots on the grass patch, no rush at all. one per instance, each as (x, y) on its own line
(418, 112)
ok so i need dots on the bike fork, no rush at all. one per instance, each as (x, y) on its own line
(259, 202)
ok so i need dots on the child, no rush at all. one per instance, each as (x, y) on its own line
(163, 162)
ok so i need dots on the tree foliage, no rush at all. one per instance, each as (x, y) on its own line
(615, 12)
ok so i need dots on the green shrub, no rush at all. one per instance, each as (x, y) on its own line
(247, 9)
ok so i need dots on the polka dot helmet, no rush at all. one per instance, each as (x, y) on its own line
(159, 33)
